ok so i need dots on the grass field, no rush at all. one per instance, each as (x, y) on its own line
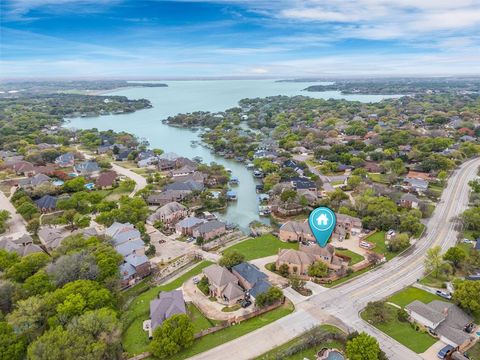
(378, 239)
(379, 178)
(348, 277)
(406, 296)
(403, 332)
(307, 353)
(474, 352)
(355, 258)
(200, 322)
(134, 339)
(262, 246)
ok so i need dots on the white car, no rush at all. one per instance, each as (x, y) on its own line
(196, 280)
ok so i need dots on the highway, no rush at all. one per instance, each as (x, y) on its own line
(342, 304)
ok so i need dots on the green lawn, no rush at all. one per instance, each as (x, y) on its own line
(403, 332)
(406, 296)
(134, 339)
(355, 258)
(199, 320)
(474, 352)
(262, 246)
(210, 341)
(432, 281)
(379, 178)
(307, 353)
(378, 239)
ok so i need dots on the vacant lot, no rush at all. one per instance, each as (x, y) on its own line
(263, 246)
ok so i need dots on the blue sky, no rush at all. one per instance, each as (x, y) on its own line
(278, 38)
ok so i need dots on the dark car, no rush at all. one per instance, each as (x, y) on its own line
(245, 303)
(442, 354)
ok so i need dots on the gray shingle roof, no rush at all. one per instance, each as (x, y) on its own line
(249, 272)
(169, 303)
(47, 202)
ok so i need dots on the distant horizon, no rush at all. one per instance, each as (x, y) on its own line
(179, 39)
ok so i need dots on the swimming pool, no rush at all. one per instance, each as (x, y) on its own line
(335, 355)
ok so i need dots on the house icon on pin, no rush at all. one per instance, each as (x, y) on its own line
(322, 220)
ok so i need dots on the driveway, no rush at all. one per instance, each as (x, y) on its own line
(272, 277)
(16, 224)
(211, 309)
(432, 351)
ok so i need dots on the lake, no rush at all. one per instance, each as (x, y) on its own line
(212, 95)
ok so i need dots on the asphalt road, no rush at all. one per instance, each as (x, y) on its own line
(16, 224)
(344, 302)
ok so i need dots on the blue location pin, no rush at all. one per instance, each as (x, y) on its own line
(322, 222)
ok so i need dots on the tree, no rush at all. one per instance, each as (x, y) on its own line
(455, 255)
(7, 259)
(269, 297)
(297, 283)
(318, 269)
(399, 242)
(68, 268)
(75, 185)
(378, 312)
(29, 317)
(12, 346)
(433, 260)
(38, 284)
(284, 270)
(33, 226)
(28, 210)
(175, 334)
(27, 266)
(467, 294)
(231, 258)
(363, 347)
(4, 217)
(353, 181)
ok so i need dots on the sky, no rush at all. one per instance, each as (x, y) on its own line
(230, 38)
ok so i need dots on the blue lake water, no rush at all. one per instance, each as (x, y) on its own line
(189, 96)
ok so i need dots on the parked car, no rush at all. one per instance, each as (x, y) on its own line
(443, 294)
(196, 280)
(442, 354)
(162, 241)
(245, 303)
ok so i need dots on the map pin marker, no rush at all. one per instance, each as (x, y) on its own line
(322, 222)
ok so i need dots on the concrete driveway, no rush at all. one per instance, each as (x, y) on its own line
(432, 351)
(16, 224)
(272, 277)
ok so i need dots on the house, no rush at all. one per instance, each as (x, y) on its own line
(188, 185)
(165, 164)
(297, 261)
(136, 247)
(65, 160)
(51, 237)
(87, 168)
(167, 304)
(223, 284)
(33, 181)
(444, 319)
(106, 180)
(167, 196)
(372, 167)
(418, 175)
(347, 225)
(196, 176)
(324, 254)
(209, 230)
(47, 203)
(168, 214)
(186, 226)
(121, 233)
(409, 201)
(22, 246)
(123, 155)
(417, 185)
(295, 231)
(184, 170)
(303, 184)
(21, 167)
(251, 279)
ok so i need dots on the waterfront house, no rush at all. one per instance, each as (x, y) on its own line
(165, 164)
(162, 198)
(186, 226)
(209, 230)
(294, 231)
(184, 170)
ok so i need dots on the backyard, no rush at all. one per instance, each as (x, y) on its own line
(355, 258)
(262, 246)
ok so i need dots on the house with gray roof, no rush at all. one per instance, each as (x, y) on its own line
(87, 168)
(223, 284)
(186, 226)
(131, 247)
(251, 279)
(164, 197)
(442, 318)
(65, 160)
(188, 185)
(167, 304)
(22, 246)
(47, 203)
(168, 214)
(209, 230)
(51, 237)
(33, 181)
(417, 185)
(409, 201)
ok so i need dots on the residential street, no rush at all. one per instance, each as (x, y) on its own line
(345, 301)
(16, 223)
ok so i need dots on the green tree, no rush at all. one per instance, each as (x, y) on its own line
(433, 261)
(318, 269)
(467, 294)
(284, 270)
(12, 346)
(175, 334)
(269, 297)
(363, 347)
(399, 242)
(29, 317)
(74, 185)
(231, 258)
(33, 226)
(38, 284)
(7, 259)
(455, 255)
(27, 266)
(378, 312)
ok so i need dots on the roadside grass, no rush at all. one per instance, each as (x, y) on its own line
(432, 281)
(403, 332)
(378, 239)
(220, 337)
(309, 353)
(355, 258)
(406, 296)
(348, 277)
(262, 246)
(134, 339)
(436, 190)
